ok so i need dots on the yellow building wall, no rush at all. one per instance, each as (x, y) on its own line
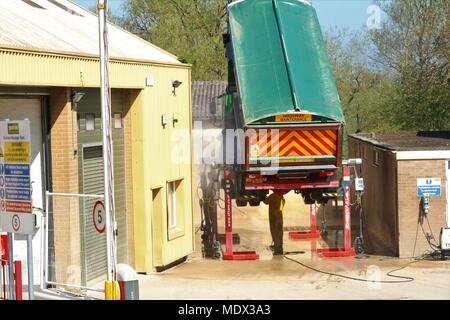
(166, 153)
(153, 145)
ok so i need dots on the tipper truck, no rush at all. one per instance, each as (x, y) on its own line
(282, 95)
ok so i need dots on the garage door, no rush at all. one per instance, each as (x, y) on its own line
(19, 109)
(94, 243)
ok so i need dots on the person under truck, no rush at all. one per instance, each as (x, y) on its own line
(276, 203)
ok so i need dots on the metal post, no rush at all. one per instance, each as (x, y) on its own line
(11, 266)
(18, 279)
(347, 250)
(46, 264)
(228, 214)
(229, 253)
(30, 267)
(107, 139)
(347, 227)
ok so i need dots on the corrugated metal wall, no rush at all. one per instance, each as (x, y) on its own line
(207, 96)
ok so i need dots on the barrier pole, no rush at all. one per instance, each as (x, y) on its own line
(30, 267)
(11, 266)
(17, 274)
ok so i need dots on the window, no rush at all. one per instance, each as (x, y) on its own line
(90, 121)
(358, 150)
(175, 209)
(376, 158)
(172, 204)
(118, 120)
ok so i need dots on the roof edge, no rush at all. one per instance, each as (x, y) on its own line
(126, 31)
(373, 142)
(77, 55)
(423, 155)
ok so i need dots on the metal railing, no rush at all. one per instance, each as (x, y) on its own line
(45, 274)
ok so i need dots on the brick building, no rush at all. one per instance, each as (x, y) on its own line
(50, 74)
(392, 165)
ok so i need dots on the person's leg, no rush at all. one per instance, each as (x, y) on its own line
(276, 225)
(278, 233)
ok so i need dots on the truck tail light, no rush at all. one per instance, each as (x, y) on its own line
(326, 173)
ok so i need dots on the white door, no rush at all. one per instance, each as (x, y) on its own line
(19, 109)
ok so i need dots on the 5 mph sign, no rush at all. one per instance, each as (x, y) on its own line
(21, 223)
(99, 217)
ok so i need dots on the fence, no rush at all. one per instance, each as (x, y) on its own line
(76, 250)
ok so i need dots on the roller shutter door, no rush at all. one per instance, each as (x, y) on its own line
(94, 243)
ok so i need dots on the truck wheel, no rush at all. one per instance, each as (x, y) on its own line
(308, 199)
(241, 203)
(255, 203)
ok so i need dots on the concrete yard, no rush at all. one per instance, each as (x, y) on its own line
(278, 278)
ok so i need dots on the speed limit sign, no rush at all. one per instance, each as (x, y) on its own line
(99, 217)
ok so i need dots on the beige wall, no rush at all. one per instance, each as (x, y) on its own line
(408, 204)
(64, 162)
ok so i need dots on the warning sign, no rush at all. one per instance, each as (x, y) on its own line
(15, 182)
(17, 152)
(294, 117)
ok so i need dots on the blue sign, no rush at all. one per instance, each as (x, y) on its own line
(17, 169)
(18, 194)
(429, 186)
(16, 182)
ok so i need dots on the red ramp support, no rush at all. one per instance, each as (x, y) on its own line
(310, 234)
(347, 250)
(229, 253)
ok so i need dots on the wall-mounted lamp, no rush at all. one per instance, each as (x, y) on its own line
(175, 85)
(76, 98)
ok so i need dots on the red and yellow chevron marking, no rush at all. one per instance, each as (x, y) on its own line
(284, 143)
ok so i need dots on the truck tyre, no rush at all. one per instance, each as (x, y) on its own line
(308, 199)
(241, 203)
(255, 203)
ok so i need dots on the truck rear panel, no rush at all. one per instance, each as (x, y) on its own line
(293, 148)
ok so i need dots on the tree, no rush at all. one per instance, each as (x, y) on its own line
(190, 29)
(361, 88)
(413, 47)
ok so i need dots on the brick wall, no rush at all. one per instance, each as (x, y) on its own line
(379, 200)
(408, 204)
(64, 162)
(130, 99)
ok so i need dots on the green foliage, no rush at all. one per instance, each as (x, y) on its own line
(395, 78)
(362, 89)
(190, 29)
(413, 47)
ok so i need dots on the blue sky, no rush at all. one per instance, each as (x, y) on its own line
(351, 14)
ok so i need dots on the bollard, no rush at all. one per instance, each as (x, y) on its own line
(128, 281)
(18, 279)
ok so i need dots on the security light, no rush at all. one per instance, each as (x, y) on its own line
(175, 85)
(77, 96)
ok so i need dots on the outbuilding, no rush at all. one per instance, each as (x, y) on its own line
(398, 168)
(50, 74)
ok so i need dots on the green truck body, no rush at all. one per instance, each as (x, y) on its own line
(281, 62)
(282, 93)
